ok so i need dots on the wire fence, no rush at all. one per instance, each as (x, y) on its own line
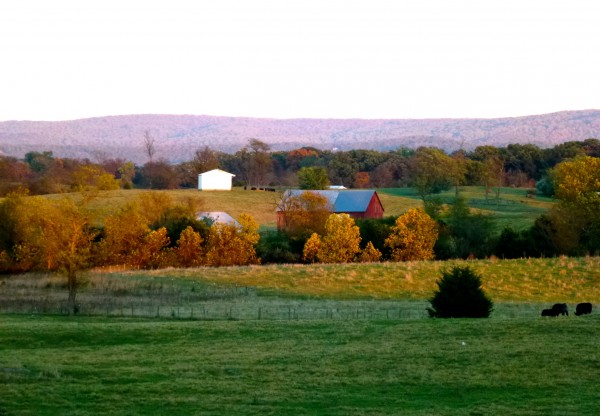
(275, 310)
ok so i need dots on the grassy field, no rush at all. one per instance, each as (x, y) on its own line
(513, 208)
(301, 340)
(90, 366)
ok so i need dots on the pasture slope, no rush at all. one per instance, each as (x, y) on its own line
(123, 362)
(513, 208)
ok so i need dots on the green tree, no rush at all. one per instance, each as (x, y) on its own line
(313, 178)
(470, 233)
(432, 171)
(459, 295)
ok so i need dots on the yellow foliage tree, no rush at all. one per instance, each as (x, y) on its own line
(413, 236)
(369, 254)
(92, 177)
(232, 244)
(124, 233)
(341, 241)
(189, 252)
(576, 217)
(311, 248)
(52, 235)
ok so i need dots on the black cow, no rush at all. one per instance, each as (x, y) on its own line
(549, 312)
(583, 308)
(560, 309)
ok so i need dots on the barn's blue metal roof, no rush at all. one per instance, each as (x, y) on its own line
(355, 200)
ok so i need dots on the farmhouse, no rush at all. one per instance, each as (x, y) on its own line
(360, 203)
(215, 180)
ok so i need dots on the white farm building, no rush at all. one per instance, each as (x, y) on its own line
(215, 180)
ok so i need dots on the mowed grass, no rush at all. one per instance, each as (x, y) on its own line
(91, 366)
(329, 363)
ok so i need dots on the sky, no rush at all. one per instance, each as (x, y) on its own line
(71, 59)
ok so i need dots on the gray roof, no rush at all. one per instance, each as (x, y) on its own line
(218, 217)
(355, 200)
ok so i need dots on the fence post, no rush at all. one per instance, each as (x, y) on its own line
(259, 312)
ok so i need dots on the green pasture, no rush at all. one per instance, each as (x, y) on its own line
(513, 208)
(51, 365)
(300, 340)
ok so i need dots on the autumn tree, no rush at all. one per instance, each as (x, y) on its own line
(127, 173)
(339, 244)
(189, 251)
(47, 235)
(362, 180)
(158, 175)
(341, 241)
(304, 213)
(128, 239)
(369, 254)
(233, 244)
(93, 178)
(311, 248)
(413, 236)
(577, 186)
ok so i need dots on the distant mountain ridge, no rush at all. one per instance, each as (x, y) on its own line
(177, 137)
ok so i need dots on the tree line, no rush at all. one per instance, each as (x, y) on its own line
(428, 169)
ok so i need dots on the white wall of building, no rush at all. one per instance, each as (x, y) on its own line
(215, 180)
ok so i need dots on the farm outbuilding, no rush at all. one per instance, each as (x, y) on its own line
(360, 203)
(215, 180)
(217, 217)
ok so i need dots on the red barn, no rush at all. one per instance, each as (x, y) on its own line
(359, 203)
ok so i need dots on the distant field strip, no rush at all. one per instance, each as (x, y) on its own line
(296, 292)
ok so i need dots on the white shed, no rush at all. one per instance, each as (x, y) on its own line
(215, 180)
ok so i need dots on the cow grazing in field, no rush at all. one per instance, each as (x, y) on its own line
(549, 312)
(583, 308)
(560, 309)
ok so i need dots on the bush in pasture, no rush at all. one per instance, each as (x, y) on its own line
(460, 295)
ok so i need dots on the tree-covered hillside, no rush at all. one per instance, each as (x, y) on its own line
(178, 136)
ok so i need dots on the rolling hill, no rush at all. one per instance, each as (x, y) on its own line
(178, 136)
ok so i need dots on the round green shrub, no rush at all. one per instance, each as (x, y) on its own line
(459, 295)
